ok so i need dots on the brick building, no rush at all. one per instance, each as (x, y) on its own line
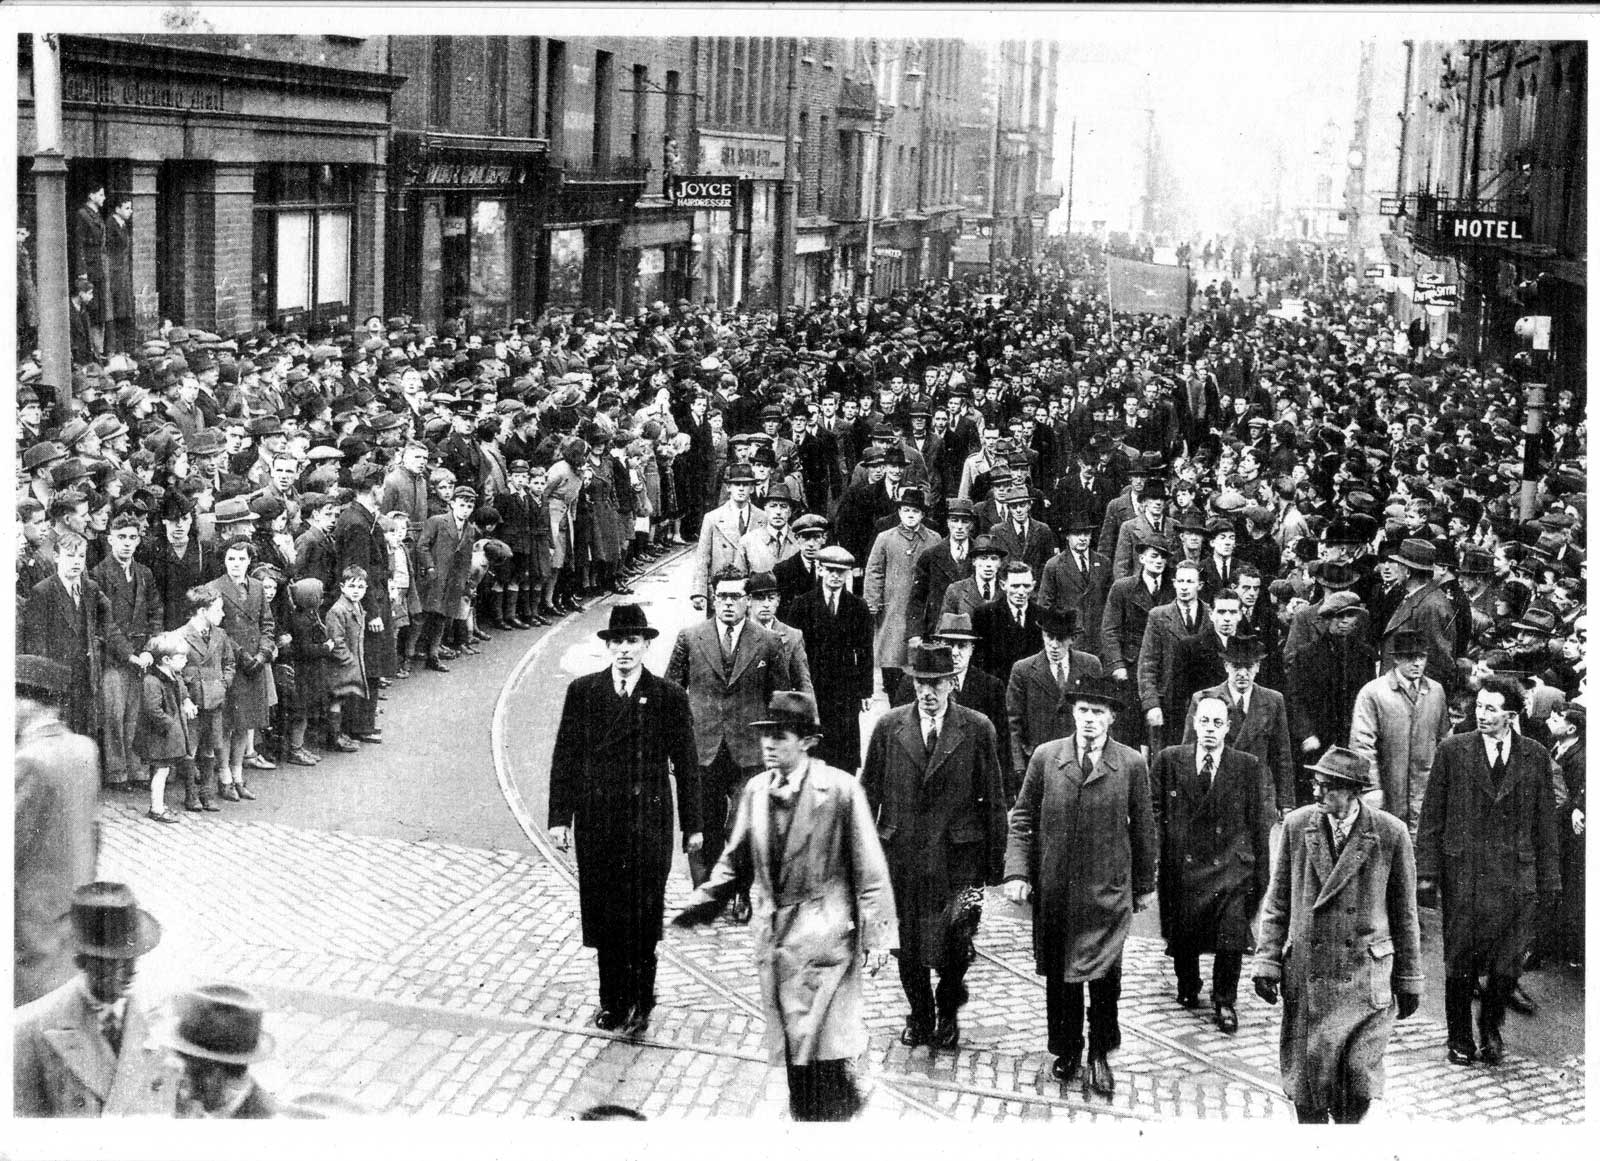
(256, 165)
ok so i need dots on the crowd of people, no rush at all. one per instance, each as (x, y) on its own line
(232, 545)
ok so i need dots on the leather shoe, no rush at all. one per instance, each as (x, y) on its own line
(916, 1032)
(258, 762)
(948, 1032)
(637, 1023)
(245, 792)
(448, 653)
(741, 910)
(1065, 1069)
(1520, 1002)
(1493, 1049)
(1188, 999)
(437, 666)
(608, 1021)
(229, 793)
(1098, 1078)
(1460, 1053)
(1227, 1019)
(372, 738)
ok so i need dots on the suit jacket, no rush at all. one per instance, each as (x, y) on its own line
(1003, 642)
(718, 546)
(793, 648)
(977, 690)
(135, 608)
(838, 649)
(1196, 664)
(1430, 612)
(52, 626)
(1121, 509)
(1035, 547)
(358, 539)
(1071, 497)
(1158, 651)
(964, 597)
(1128, 605)
(1065, 586)
(935, 571)
(1213, 579)
(1263, 733)
(63, 1066)
(1129, 534)
(794, 581)
(1037, 710)
(725, 699)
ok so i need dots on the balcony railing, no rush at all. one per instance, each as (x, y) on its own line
(624, 170)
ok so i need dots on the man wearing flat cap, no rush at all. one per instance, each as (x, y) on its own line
(86, 1049)
(837, 630)
(933, 779)
(1343, 895)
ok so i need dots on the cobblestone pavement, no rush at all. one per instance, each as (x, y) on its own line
(431, 977)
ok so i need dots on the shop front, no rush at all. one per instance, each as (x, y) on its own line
(581, 253)
(738, 246)
(464, 227)
(813, 266)
(656, 249)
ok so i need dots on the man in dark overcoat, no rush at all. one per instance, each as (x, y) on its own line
(65, 620)
(932, 777)
(1343, 895)
(444, 563)
(1214, 808)
(1078, 578)
(1008, 626)
(798, 574)
(1037, 707)
(1082, 844)
(1487, 847)
(974, 688)
(623, 732)
(941, 566)
(358, 540)
(837, 629)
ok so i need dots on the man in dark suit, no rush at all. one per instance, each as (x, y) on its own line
(816, 451)
(974, 689)
(135, 613)
(1083, 493)
(1197, 660)
(1214, 809)
(1037, 707)
(1165, 627)
(1078, 578)
(729, 667)
(932, 777)
(1024, 538)
(1324, 679)
(64, 620)
(1487, 853)
(798, 574)
(838, 631)
(948, 561)
(1009, 626)
(1258, 722)
(983, 586)
(1568, 724)
(623, 733)
(358, 540)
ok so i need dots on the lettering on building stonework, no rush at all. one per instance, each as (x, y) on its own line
(140, 93)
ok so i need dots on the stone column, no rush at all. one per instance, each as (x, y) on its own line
(146, 271)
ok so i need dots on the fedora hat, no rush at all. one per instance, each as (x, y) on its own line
(42, 674)
(1016, 494)
(108, 922)
(740, 474)
(1332, 575)
(1415, 554)
(760, 583)
(1059, 622)
(791, 709)
(1408, 643)
(1538, 619)
(1475, 562)
(1243, 650)
(41, 454)
(1101, 690)
(220, 1022)
(987, 545)
(1346, 766)
(1081, 521)
(930, 662)
(1158, 543)
(235, 510)
(781, 493)
(913, 498)
(954, 627)
(627, 621)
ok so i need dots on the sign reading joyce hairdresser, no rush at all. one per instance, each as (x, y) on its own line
(704, 193)
(1459, 226)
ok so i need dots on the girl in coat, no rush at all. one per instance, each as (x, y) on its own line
(247, 620)
(563, 484)
(405, 606)
(166, 739)
(347, 676)
(309, 649)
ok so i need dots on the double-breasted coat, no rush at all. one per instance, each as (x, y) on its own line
(247, 620)
(1002, 641)
(444, 559)
(346, 626)
(1066, 586)
(62, 1065)
(1215, 860)
(1037, 709)
(611, 780)
(891, 572)
(718, 546)
(1492, 850)
(817, 905)
(936, 570)
(74, 634)
(941, 819)
(1343, 937)
(1087, 846)
(839, 654)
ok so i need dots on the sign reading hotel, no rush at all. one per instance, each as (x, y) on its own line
(735, 155)
(1465, 227)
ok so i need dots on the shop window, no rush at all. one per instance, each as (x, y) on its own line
(490, 285)
(304, 215)
(566, 267)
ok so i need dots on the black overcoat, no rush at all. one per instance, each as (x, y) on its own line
(839, 654)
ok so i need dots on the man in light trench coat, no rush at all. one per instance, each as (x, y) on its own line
(803, 838)
(1343, 896)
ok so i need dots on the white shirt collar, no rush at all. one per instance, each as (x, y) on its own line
(1492, 745)
(629, 683)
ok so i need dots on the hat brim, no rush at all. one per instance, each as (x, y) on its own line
(954, 635)
(930, 674)
(1105, 699)
(1363, 783)
(804, 729)
(148, 936)
(1396, 558)
(647, 632)
(265, 1044)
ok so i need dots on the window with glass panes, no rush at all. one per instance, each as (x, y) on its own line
(304, 225)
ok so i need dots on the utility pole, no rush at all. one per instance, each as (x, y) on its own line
(50, 195)
(1072, 165)
(872, 184)
(1355, 187)
(788, 189)
(1405, 120)
(1001, 59)
(1149, 226)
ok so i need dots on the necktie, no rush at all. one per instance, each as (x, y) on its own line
(1083, 564)
(988, 592)
(1061, 675)
(1087, 762)
(744, 520)
(833, 605)
(727, 643)
(931, 738)
(76, 600)
(1188, 621)
(1208, 769)
(111, 1029)
(622, 687)
(1341, 832)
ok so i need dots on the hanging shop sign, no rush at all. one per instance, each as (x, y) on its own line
(1445, 296)
(704, 193)
(1466, 228)
(1378, 270)
(741, 155)
(1391, 207)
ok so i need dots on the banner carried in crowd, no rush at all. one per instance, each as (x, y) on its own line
(1146, 287)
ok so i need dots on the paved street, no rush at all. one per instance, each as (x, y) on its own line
(421, 954)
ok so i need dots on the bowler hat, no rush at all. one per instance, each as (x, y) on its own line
(835, 556)
(954, 627)
(42, 674)
(1415, 554)
(1101, 690)
(1341, 765)
(628, 621)
(791, 709)
(1408, 643)
(1059, 622)
(930, 662)
(220, 1022)
(108, 922)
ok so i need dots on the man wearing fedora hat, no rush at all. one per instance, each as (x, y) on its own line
(804, 843)
(933, 778)
(1343, 895)
(1424, 608)
(57, 784)
(624, 737)
(946, 563)
(1149, 523)
(974, 688)
(1082, 846)
(721, 531)
(86, 1049)
(217, 1035)
(1038, 709)
(1258, 719)
(1397, 723)
(1325, 678)
(890, 576)
(1078, 578)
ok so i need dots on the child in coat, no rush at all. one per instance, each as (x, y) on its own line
(166, 737)
(347, 679)
(310, 651)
